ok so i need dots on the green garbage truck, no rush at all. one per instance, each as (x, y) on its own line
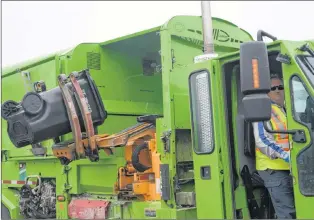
(154, 125)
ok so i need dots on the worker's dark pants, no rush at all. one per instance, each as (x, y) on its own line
(280, 188)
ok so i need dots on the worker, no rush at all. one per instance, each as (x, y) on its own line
(273, 154)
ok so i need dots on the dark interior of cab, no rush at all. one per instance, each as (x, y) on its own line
(259, 202)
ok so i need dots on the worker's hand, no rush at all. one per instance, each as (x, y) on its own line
(286, 157)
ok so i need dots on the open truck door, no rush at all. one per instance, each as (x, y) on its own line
(212, 197)
(206, 139)
(213, 193)
(298, 77)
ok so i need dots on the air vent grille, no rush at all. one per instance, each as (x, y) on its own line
(93, 61)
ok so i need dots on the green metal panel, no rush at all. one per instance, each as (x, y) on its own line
(80, 175)
(10, 200)
(117, 69)
(240, 194)
(13, 166)
(304, 204)
(183, 145)
(136, 210)
(181, 110)
(9, 70)
(227, 35)
(179, 47)
(207, 189)
(223, 141)
(111, 126)
(187, 213)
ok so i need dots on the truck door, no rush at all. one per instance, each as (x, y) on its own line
(208, 129)
(299, 95)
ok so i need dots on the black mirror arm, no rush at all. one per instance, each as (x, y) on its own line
(278, 131)
(298, 135)
(261, 34)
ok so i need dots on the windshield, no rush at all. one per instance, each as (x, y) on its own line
(307, 65)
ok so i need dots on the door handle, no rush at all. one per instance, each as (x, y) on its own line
(205, 172)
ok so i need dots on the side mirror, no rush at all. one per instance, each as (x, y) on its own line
(255, 81)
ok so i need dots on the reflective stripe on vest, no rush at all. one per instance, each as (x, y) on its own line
(278, 122)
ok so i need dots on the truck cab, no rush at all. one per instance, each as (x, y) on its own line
(203, 146)
(294, 65)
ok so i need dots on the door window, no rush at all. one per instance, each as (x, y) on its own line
(303, 111)
(303, 103)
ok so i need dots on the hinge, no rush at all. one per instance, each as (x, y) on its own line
(4, 155)
(173, 58)
(165, 138)
(66, 169)
(67, 186)
(220, 165)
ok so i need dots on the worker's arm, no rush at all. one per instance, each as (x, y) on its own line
(266, 144)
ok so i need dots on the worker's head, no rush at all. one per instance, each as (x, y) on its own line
(276, 93)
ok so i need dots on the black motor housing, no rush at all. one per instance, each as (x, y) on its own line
(42, 116)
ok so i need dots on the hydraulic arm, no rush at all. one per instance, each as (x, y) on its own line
(76, 107)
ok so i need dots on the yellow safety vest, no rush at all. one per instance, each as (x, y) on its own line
(278, 122)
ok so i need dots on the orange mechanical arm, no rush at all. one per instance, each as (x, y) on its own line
(140, 175)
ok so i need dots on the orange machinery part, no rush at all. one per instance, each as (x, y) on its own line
(145, 185)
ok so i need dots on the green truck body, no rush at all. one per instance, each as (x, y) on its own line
(207, 184)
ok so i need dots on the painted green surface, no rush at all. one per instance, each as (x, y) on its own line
(6, 71)
(304, 204)
(116, 67)
(240, 194)
(10, 200)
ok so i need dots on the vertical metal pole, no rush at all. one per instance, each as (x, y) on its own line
(209, 50)
(207, 28)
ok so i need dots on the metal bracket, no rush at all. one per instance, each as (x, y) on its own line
(66, 169)
(87, 117)
(39, 150)
(26, 80)
(40, 86)
(176, 183)
(173, 58)
(166, 141)
(67, 186)
(73, 117)
(306, 47)
(4, 155)
(158, 69)
(299, 136)
(39, 181)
